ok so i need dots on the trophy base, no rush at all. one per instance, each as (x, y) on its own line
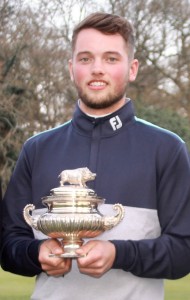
(66, 255)
(69, 247)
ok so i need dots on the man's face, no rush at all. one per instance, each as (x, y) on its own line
(101, 70)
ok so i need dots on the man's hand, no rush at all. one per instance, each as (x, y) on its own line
(98, 257)
(52, 265)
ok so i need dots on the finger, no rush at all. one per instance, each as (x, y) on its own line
(89, 259)
(44, 259)
(48, 247)
(93, 272)
(54, 266)
(61, 269)
(54, 263)
(98, 260)
(85, 249)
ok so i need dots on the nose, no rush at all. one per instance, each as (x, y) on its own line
(97, 67)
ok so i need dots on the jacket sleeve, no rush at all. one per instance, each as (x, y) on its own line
(20, 249)
(167, 256)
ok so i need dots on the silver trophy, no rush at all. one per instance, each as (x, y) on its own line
(72, 212)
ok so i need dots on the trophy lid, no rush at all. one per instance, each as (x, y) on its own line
(72, 193)
(75, 190)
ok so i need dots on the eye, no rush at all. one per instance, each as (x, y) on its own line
(112, 59)
(84, 60)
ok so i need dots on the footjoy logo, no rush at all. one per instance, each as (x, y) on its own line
(115, 123)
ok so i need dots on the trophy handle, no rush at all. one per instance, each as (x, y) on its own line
(110, 222)
(28, 217)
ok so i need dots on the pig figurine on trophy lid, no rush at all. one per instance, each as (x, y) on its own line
(72, 212)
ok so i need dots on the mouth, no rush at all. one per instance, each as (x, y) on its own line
(97, 84)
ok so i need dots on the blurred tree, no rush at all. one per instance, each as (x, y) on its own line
(162, 88)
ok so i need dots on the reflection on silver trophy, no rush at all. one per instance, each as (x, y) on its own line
(72, 212)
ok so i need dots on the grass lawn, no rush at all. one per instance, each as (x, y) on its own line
(13, 287)
(178, 289)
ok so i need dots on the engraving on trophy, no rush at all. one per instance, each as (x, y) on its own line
(73, 212)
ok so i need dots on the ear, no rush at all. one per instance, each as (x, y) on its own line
(134, 66)
(71, 69)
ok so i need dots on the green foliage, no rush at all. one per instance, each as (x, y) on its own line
(166, 118)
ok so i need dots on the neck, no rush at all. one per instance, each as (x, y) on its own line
(104, 111)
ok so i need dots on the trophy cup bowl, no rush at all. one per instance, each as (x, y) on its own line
(73, 212)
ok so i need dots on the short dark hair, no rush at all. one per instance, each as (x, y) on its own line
(108, 24)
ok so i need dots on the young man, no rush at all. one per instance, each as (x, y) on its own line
(139, 165)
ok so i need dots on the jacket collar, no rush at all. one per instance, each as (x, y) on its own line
(107, 125)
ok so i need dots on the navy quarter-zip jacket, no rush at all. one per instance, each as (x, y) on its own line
(142, 166)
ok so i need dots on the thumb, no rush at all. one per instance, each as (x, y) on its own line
(80, 252)
(53, 246)
(84, 249)
(57, 250)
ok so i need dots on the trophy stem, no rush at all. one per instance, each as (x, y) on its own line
(69, 245)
